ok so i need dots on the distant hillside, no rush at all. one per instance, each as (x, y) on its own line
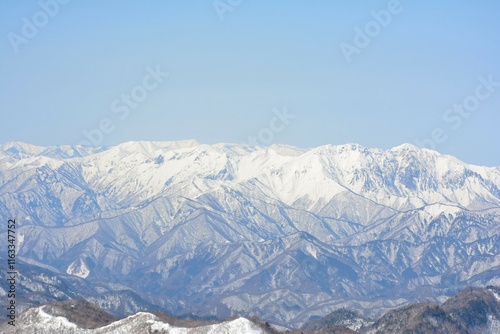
(472, 311)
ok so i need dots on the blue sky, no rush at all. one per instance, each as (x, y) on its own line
(233, 64)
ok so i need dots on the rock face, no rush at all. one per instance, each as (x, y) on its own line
(278, 232)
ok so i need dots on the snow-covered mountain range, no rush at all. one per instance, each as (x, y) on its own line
(277, 232)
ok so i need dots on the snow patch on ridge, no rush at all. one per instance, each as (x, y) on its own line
(78, 268)
(312, 251)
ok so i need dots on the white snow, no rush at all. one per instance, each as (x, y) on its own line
(493, 325)
(37, 321)
(78, 268)
(312, 250)
(51, 322)
(138, 192)
(286, 173)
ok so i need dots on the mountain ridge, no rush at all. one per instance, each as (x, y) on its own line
(472, 310)
(211, 226)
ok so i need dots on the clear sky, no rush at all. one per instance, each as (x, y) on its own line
(377, 73)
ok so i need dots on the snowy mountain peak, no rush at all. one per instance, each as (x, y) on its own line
(407, 147)
(151, 146)
(21, 148)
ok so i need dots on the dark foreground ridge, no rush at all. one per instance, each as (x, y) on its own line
(80, 312)
(472, 311)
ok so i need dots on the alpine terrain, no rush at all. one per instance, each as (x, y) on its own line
(472, 311)
(285, 234)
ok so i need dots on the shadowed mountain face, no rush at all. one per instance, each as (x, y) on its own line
(217, 230)
(419, 318)
(339, 318)
(472, 311)
(475, 308)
